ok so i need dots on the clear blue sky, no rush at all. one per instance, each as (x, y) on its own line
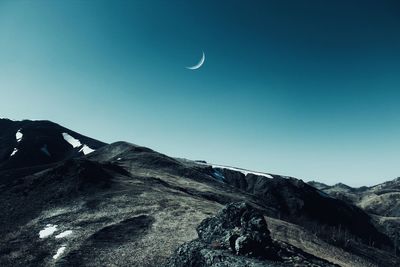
(306, 88)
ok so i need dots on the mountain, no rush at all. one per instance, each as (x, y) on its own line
(127, 205)
(29, 146)
(381, 202)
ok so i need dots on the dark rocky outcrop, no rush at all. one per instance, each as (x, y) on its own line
(302, 204)
(241, 229)
(238, 236)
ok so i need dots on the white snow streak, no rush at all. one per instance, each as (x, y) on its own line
(72, 141)
(64, 234)
(255, 173)
(245, 172)
(48, 231)
(18, 136)
(86, 150)
(14, 152)
(59, 252)
(76, 143)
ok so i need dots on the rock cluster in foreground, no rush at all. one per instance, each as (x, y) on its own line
(238, 236)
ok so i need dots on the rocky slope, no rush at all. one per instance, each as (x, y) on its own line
(127, 205)
(381, 202)
(297, 202)
(30, 146)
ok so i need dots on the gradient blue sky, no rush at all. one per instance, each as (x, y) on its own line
(306, 88)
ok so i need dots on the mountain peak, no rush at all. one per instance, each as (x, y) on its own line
(31, 144)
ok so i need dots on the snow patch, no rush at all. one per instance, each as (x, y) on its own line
(18, 136)
(59, 252)
(14, 152)
(245, 172)
(45, 150)
(119, 158)
(47, 231)
(76, 143)
(64, 234)
(86, 150)
(72, 141)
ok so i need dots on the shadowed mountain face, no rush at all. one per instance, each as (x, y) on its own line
(299, 202)
(127, 205)
(32, 145)
(381, 202)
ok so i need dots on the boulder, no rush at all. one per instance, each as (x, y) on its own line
(238, 235)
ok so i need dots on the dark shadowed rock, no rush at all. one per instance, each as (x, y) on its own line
(240, 228)
(238, 236)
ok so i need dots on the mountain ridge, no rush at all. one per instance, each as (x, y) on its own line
(128, 200)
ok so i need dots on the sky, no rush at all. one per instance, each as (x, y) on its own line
(309, 89)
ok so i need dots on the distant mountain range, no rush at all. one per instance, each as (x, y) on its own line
(381, 202)
(70, 200)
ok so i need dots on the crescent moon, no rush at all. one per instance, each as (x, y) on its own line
(198, 65)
